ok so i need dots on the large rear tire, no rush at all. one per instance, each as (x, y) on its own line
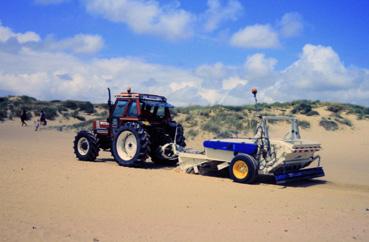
(131, 145)
(159, 138)
(85, 146)
(180, 139)
(243, 169)
(161, 153)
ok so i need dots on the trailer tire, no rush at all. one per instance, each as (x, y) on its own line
(85, 146)
(243, 169)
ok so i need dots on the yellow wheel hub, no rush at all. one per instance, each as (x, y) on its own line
(240, 169)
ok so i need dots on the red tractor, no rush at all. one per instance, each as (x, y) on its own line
(138, 126)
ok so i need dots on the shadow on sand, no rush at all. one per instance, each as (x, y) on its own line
(267, 179)
(147, 165)
(262, 179)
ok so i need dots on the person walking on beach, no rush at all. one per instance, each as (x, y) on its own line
(23, 118)
(42, 120)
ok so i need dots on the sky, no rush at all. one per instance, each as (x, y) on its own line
(193, 52)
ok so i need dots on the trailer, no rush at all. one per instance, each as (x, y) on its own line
(287, 159)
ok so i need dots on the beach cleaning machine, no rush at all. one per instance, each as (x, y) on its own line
(287, 159)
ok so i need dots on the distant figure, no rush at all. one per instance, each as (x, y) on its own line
(23, 118)
(42, 120)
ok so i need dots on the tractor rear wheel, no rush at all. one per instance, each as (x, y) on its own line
(131, 145)
(180, 139)
(85, 146)
(243, 169)
(161, 154)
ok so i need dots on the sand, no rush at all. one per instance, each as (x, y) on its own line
(47, 195)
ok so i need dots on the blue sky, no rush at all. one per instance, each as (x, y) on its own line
(195, 52)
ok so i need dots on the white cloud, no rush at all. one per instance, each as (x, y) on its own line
(318, 67)
(80, 43)
(213, 75)
(291, 24)
(266, 35)
(256, 36)
(167, 21)
(215, 71)
(51, 75)
(319, 74)
(6, 34)
(212, 96)
(28, 37)
(40, 71)
(257, 65)
(218, 13)
(233, 82)
(175, 86)
(144, 16)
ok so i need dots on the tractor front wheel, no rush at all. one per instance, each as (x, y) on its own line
(85, 146)
(243, 169)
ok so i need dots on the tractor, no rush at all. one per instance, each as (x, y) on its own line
(139, 126)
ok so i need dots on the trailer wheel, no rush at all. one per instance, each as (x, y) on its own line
(85, 146)
(243, 169)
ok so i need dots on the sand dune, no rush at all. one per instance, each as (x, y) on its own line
(47, 195)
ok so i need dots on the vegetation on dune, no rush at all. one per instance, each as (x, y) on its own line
(338, 118)
(50, 112)
(3, 115)
(217, 120)
(102, 114)
(304, 107)
(3, 108)
(336, 108)
(234, 121)
(76, 115)
(12, 106)
(328, 124)
(84, 125)
(304, 124)
(359, 111)
(191, 133)
(86, 107)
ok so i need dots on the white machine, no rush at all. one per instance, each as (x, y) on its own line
(286, 158)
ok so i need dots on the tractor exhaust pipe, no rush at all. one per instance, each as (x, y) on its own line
(109, 99)
(110, 106)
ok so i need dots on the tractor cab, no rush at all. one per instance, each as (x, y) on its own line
(155, 111)
(150, 109)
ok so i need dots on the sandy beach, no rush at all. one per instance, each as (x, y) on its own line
(47, 195)
(279, 89)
